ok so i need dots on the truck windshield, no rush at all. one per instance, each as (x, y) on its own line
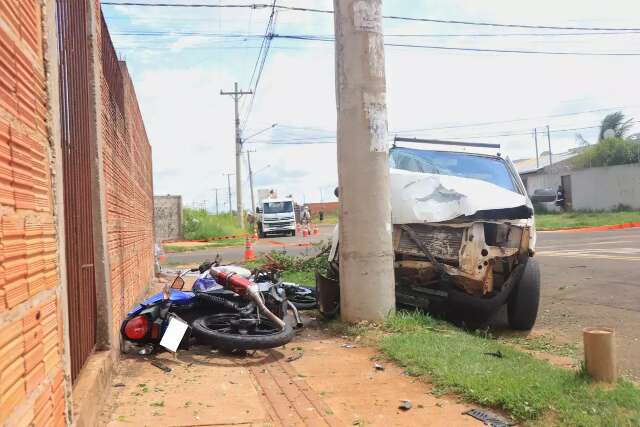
(277, 207)
(490, 169)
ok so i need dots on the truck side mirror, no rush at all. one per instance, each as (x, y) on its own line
(336, 191)
(258, 210)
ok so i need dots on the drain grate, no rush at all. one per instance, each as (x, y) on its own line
(489, 418)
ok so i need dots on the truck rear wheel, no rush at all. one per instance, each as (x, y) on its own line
(522, 306)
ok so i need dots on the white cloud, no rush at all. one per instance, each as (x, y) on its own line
(191, 126)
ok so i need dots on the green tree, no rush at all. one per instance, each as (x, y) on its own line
(617, 123)
(608, 152)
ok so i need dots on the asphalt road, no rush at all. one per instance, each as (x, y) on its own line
(588, 279)
(297, 245)
(592, 279)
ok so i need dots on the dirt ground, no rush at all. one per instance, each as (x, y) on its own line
(333, 383)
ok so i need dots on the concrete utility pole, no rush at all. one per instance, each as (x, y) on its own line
(367, 285)
(253, 199)
(549, 140)
(229, 188)
(535, 137)
(216, 190)
(236, 95)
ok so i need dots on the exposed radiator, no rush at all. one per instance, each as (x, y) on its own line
(443, 242)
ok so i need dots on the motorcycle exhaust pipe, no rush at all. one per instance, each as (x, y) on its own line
(243, 286)
(254, 294)
(296, 315)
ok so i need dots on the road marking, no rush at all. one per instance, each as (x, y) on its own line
(608, 242)
(586, 254)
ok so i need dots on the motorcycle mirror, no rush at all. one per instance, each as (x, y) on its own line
(337, 192)
(178, 283)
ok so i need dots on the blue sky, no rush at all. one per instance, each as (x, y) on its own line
(178, 78)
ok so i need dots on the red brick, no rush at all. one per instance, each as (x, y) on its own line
(43, 398)
(51, 360)
(34, 377)
(32, 338)
(31, 319)
(11, 374)
(10, 351)
(16, 292)
(33, 357)
(11, 398)
(44, 416)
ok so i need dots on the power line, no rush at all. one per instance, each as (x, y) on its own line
(262, 58)
(423, 35)
(520, 119)
(391, 17)
(469, 49)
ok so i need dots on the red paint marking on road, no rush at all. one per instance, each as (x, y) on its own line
(595, 228)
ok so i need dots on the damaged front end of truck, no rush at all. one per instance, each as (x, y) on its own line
(463, 235)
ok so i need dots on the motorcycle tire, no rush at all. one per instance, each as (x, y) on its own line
(211, 330)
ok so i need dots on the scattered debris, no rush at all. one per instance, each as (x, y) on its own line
(160, 366)
(378, 366)
(405, 405)
(294, 357)
(497, 354)
(119, 385)
(347, 346)
(489, 418)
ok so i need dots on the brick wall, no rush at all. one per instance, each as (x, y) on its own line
(31, 374)
(128, 182)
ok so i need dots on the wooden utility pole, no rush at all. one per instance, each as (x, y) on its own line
(535, 137)
(236, 95)
(367, 285)
(549, 140)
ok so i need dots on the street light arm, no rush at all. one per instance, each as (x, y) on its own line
(258, 133)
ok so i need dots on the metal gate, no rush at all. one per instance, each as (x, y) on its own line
(76, 161)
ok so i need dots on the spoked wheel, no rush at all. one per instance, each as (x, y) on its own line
(233, 331)
(302, 297)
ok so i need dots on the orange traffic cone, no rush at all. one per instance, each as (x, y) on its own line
(255, 234)
(297, 227)
(316, 231)
(248, 251)
(305, 231)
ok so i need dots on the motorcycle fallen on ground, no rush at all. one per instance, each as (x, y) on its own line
(225, 309)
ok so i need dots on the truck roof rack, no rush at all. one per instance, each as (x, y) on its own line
(439, 142)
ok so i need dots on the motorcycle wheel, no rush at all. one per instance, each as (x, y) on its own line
(233, 331)
(302, 297)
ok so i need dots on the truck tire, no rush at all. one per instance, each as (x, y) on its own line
(522, 306)
(293, 233)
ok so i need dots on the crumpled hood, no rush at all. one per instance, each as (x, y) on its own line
(424, 197)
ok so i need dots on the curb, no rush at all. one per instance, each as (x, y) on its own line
(594, 228)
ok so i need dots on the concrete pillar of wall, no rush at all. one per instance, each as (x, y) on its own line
(102, 266)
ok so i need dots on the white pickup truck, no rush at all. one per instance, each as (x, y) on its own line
(276, 216)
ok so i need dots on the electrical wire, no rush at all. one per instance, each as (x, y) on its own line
(391, 17)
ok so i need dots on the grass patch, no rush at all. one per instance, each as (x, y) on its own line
(329, 218)
(529, 389)
(551, 221)
(201, 225)
(542, 343)
(203, 246)
(307, 277)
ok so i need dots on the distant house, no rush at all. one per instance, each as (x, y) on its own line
(598, 188)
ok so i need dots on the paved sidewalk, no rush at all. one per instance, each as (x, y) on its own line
(330, 385)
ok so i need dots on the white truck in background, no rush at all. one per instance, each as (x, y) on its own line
(276, 215)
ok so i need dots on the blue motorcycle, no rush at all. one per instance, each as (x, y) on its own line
(225, 308)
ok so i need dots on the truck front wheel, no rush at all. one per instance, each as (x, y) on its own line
(522, 306)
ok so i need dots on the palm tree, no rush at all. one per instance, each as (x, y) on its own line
(617, 123)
